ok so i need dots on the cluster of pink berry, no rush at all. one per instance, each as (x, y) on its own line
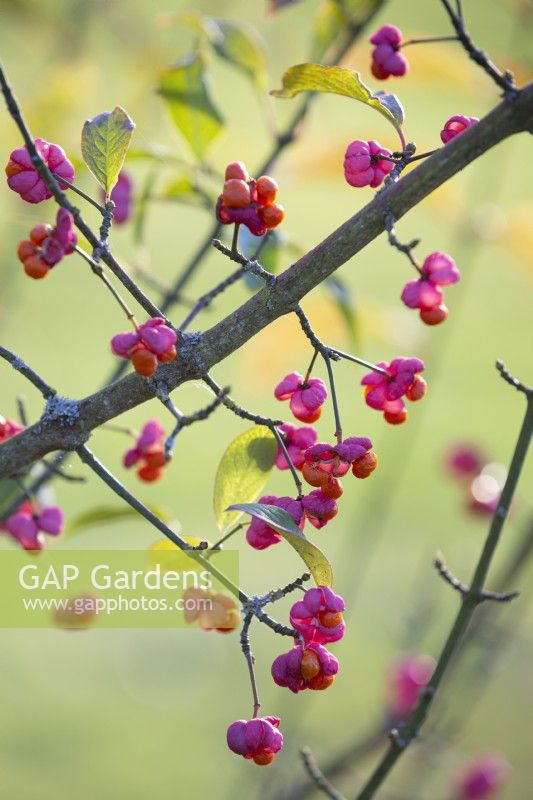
(385, 392)
(148, 454)
(324, 463)
(318, 618)
(306, 397)
(257, 739)
(386, 57)
(150, 344)
(316, 507)
(321, 464)
(26, 525)
(47, 245)
(23, 178)
(367, 163)
(245, 201)
(482, 480)
(425, 293)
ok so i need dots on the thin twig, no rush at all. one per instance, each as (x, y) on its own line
(218, 544)
(318, 778)
(239, 411)
(44, 172)
(310, 367)
(328, 355)
(290, 463)
(37, 484)
(271, 424)
(430, 40)
(183, 421)
(250, 661)
(79, 192)
(504, 80)
(406, 249)
(20, 366)
(206, 299)
(361, 361)
(278, 594)
(99, 271)
(401, 737)
(463, 589)
(55, 470)
(512, 381)
(120, 490)
(21, 405)
(250, 264)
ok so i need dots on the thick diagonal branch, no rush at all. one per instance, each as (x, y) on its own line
(198, 353)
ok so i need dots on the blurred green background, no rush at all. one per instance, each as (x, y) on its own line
(143, 714)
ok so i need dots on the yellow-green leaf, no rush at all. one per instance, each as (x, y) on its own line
(185, 90)
(243, 472)
(283, 523)
(333, 80)
(104, 143)
(240, 45)
(236, 42)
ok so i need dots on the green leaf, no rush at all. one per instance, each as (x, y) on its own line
(344, 301)
(237, 43)
(104, 143)
(243, 472)
(241, 46)
(333, 80)
(102, 515)
(283, 523)
(184, 88)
